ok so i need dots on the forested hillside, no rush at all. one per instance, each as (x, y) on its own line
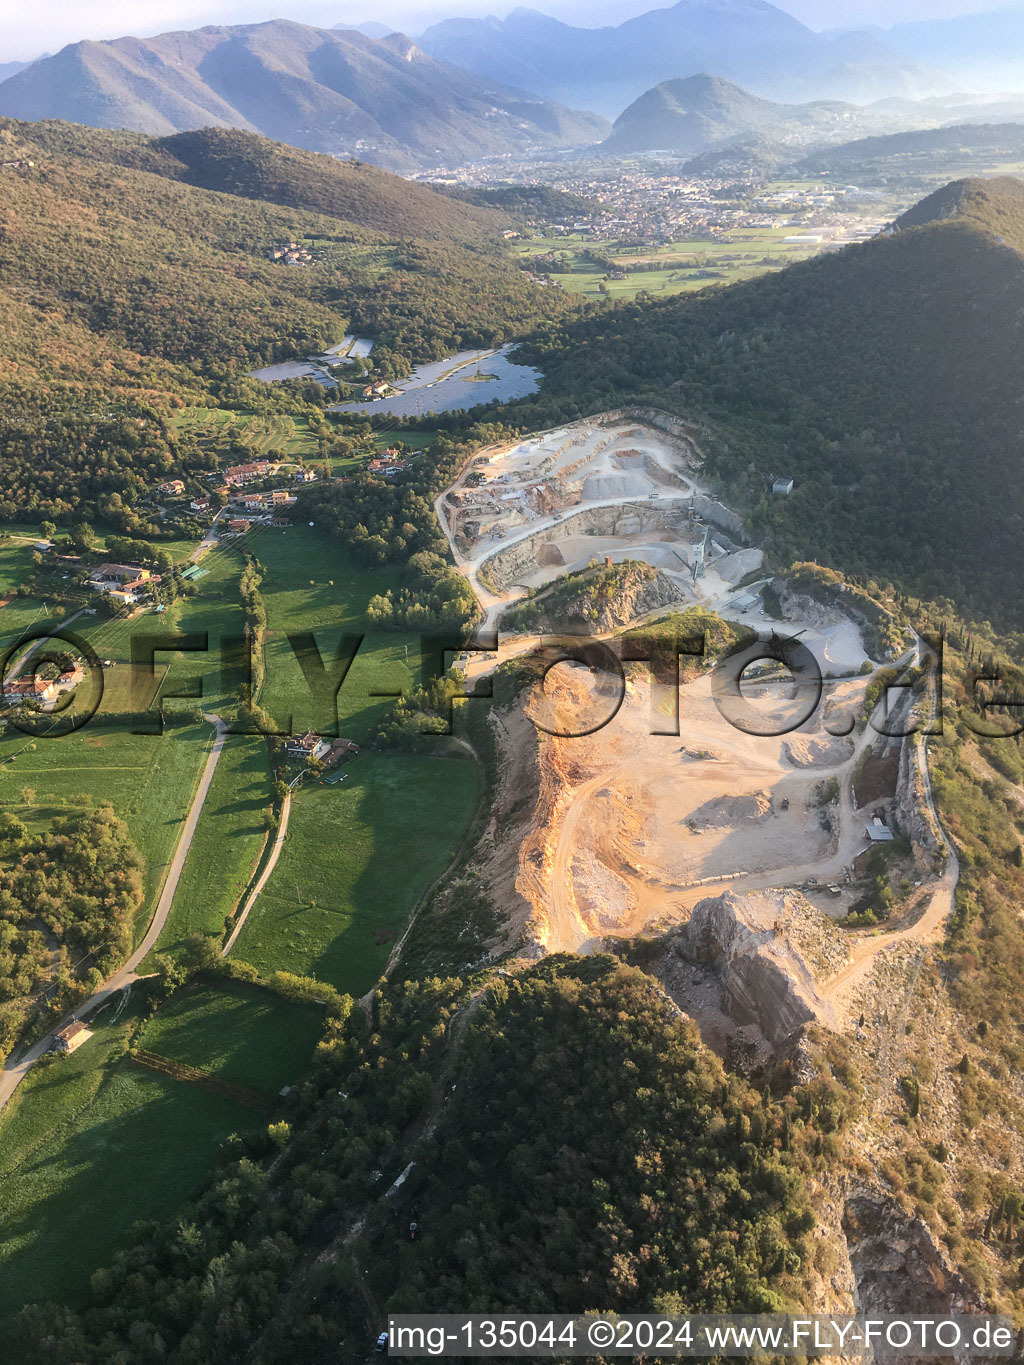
(125, 292)
(593, 1155)
(884, 380)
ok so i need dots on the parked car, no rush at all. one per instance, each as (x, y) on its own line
(382, 1344)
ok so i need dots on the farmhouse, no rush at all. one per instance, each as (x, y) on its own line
(380, 388)
(306, 746)
(200, 504)
(70, 1037)
(120, 575)
(306, 476)
(173, 488)
(123, 582)
(238, 526)
(25, 689)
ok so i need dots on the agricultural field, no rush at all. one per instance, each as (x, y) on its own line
(213, 610)
(226, 848)
(244, 1033)
(682, 267)
(313, 584)
(85, 1153)
(18, 614)
(216, 429)
(415, 440)
(358, 857)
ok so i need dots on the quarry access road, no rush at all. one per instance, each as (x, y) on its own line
(926, 927)
(14, 1072)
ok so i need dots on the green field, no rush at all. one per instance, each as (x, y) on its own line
(312, 584)
(214, 611)
(89, 1145)
(226, 846)
(357, 859)
(415, 440)
(243, 1033)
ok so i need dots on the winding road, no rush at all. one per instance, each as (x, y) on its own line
(15, 1071)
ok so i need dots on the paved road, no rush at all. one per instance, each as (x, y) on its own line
(253, 896)
(15, 1071)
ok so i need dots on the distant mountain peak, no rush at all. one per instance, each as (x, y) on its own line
(751, 42)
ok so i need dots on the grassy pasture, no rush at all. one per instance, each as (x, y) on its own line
(312, 584)
(90, 1144)
(357, 858)
(226, 846)
(243, 1033)
(149, 780)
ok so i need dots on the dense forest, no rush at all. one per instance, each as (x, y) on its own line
(593, 1155)
(883, 379)
(69, 895)
(525, 203)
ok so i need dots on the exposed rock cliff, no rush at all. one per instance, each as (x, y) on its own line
(769, 949)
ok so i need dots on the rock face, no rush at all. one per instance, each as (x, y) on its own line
(913, 813)
(769, 949)
(897, 1263)
(506, 567)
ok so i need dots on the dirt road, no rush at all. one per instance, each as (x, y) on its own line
(15, 1071)
(264, 877)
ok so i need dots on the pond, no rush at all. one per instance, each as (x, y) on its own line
(453, 384)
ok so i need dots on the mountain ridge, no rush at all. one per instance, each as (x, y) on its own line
(341, 92)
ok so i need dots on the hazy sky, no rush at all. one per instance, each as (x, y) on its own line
(27, 30)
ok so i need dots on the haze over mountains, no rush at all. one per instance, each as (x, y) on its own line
(480, 88)
(747, 41)
(982, 50)
(383, 100)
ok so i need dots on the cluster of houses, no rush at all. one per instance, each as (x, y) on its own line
(290, 253)
(387, 464)
(266, 502)
(380, 388)
(238, 475)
